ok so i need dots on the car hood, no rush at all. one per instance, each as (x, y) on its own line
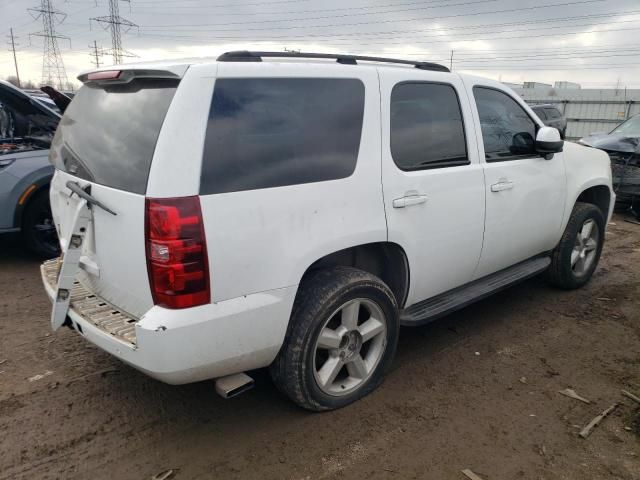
(613, 142)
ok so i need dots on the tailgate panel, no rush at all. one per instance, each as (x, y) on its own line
(113, 263)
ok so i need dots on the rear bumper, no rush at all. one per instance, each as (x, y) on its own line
(184, 346)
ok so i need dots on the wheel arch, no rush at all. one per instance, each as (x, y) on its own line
(25, 198)
(386, 260)
(598, 195)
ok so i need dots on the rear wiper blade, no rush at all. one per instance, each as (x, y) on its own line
(86, 194)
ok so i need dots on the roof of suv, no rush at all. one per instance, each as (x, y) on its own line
(179, 66)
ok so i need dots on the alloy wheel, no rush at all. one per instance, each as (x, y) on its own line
(349, 347)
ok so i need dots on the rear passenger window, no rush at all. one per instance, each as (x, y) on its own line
(272, 132)
(507, 131)
(426, 127)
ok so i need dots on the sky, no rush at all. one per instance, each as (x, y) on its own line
(592, 42)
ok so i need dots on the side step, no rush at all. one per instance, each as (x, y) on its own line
(447, 302)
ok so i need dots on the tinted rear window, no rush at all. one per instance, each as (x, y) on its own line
(108, 134)
(272, 132)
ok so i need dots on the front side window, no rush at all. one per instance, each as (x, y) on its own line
(427, 130)
(507, 131)
(272, 132)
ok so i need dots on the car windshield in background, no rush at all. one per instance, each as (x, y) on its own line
(629, 128)
(108, 134)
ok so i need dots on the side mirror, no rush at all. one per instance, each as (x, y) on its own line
(548, 141)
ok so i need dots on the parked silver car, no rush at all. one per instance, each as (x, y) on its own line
(26, 130)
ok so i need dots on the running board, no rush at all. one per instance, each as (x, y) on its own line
(445, 303)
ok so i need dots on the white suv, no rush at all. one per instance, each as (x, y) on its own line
(294, 212)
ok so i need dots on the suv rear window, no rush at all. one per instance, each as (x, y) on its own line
(108, 133)
(272, 132)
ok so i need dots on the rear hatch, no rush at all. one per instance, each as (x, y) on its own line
(106, 141)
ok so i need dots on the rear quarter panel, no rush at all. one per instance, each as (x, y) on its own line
(264, 239)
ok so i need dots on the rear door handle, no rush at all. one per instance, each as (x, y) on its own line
(409, 200)
(500, 186)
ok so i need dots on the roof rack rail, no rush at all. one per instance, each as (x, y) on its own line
(251, 56)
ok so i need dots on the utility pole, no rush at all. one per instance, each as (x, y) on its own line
(451, 62)
(96, 54)
(13, 49)
(53, 72)
(114, 22)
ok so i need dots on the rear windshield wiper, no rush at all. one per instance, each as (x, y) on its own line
(86, 194)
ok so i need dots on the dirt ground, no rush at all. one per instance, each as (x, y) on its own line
(477, 390)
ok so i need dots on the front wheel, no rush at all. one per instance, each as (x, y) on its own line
(341, 340)
(576, 257)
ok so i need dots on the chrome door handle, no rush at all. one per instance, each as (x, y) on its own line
(500, 186)
(409, 200)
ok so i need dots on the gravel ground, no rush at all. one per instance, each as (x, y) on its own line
(477, 390)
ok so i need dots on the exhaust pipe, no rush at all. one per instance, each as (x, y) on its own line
(233, 385)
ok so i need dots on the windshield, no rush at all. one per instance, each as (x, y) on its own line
(108, 133)
(630, 128)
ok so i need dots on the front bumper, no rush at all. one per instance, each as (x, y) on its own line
(183, 346)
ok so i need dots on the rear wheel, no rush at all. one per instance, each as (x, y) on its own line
(38, 229)
(576, 257)
(341, 340)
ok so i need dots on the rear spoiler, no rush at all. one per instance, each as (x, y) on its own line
(124, 76)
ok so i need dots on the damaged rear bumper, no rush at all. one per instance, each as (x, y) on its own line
(183, 346)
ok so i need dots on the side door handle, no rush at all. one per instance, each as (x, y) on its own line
(500, 186)
(409, 200)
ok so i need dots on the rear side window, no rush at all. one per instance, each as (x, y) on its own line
(508, 133)
(108, 133)
(426, 127)
(272, 132)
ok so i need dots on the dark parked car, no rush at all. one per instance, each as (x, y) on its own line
(551, 117)
(623, 146)
(27, 126)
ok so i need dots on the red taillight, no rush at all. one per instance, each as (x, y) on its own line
(176, 252)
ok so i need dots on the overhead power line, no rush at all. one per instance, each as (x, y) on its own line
(12, 44)
(371, 22)
(53, 71)
(305, 13)
(376, 34)
(115, 23)
(96, 53)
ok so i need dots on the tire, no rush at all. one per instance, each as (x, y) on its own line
(38, 229)
(569, 269)
(324, 301)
